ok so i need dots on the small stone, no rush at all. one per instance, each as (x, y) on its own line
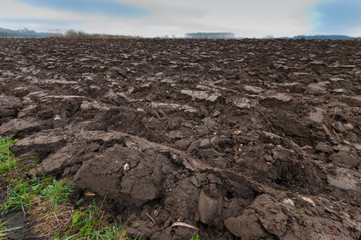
(216, 113)
(195, 94)
(126, 167)
(289, 202)
(348, 126)
(309, 200)
(339, 127)
(34, 172)
(316, 116)
(344, 66)
(213, 97)
(339, 91)
(85, 105)
(282, 97)
(59, 122)
(297, 88)
(357, 146)
(324, 147)
(242, 103)
(315, 89)
(341, 148)
(143, 193)
(205, 143)
(268, 158)
(175, 134)
(253, 89)
(207, 208)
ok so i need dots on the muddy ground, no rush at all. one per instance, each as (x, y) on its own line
(258, 139)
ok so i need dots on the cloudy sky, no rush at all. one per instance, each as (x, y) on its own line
(150, 18)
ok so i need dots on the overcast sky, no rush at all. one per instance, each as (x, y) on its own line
(150, 18)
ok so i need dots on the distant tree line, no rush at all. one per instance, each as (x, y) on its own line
(332, 37)
(210, 35)
(26, 33)
(80, 34)
(22, 33)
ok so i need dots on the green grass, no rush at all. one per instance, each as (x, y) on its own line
(7, 160)
(4, 230)
(26, 193)
(47, 201)
(195, 237)
(92, 223)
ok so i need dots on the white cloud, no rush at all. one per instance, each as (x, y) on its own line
(251, 18)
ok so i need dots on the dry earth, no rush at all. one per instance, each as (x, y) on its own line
(258, 139)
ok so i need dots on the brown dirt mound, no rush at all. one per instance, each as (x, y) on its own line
(258, 139)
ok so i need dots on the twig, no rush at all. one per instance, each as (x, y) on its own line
(334, 115)
(22, 207)
(182, 224)
(56, 218)
(150, 217)
(264, 115)
(268, 121)
(306, 147)
(336, 135)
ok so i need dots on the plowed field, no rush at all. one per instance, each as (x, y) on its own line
(258, 139)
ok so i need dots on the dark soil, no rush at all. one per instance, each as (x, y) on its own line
(258, 139)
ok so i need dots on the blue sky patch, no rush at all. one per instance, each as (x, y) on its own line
(109, 8)
(335, 16)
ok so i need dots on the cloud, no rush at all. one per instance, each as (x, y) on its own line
(110, 8)
(256, 18)
(336, 17)
(243, 17)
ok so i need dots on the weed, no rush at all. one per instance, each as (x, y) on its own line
(4, 230)
(7, 160)
(25, 193)
(195, 237)
(90, 222)
(57, 193)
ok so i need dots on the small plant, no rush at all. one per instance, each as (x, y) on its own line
(92, 223)
(58, 192)
(4, 230)
(25, 193)
(195, 237)
(7, 161)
